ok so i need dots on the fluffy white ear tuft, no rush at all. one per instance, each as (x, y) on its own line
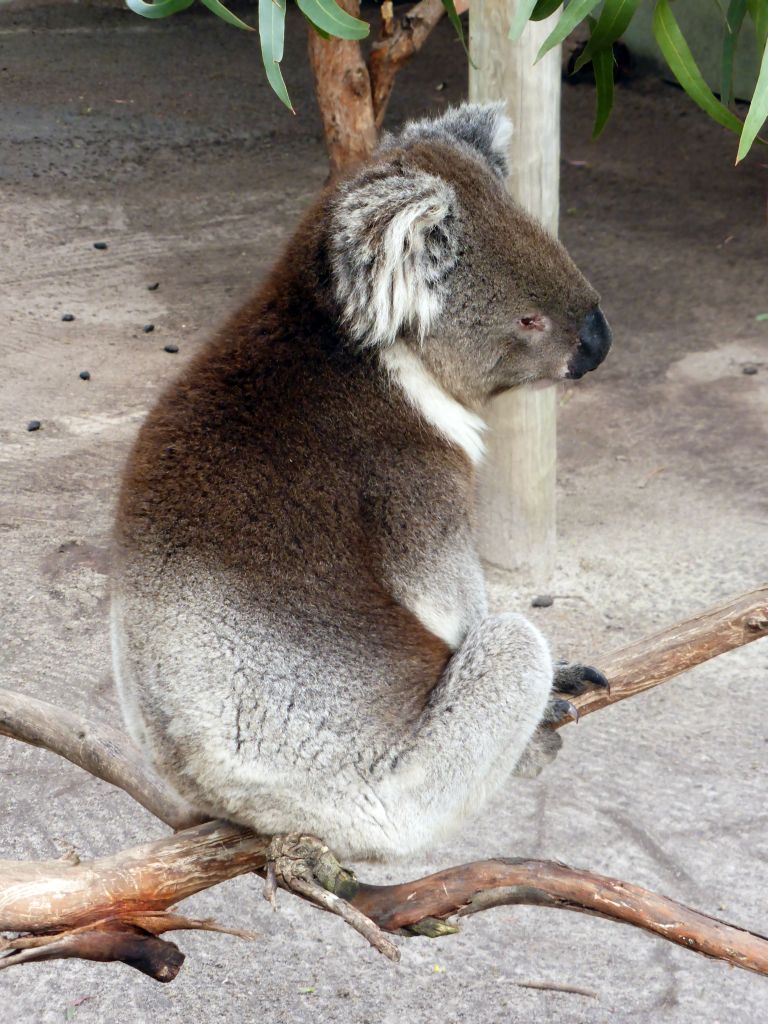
(483, 128)
(394, 241)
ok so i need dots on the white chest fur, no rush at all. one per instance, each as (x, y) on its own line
(448, 417)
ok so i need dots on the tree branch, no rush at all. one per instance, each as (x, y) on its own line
(99, 749)
(129, 891)
(655, 659)
(395, 47)
(145, 879)
(114, 908)
(471, 888)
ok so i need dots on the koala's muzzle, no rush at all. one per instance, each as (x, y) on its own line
(594, 343)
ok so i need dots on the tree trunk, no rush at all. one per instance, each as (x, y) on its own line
(343, 91)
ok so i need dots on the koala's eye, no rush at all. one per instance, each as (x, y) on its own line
(533, 323)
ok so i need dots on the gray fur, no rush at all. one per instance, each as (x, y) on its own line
(394, 240)
(481, 129)
(300, 629)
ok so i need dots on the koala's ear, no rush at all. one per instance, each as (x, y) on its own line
(482, 127)
(394, 240)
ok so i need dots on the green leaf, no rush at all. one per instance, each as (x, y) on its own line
(576, 11)
(225, 14)
(321, 32)
(611, 25)
(602, 62)
(758, 110)
(544, 8)
(733, 22)
(328, 16)
(758, 12)
(455, 20)
(159, 10)
(680, 59)
(521, 18)
(272, 38)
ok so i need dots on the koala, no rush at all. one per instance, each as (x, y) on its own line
(300, 629)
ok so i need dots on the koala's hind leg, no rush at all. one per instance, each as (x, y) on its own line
(476, 727)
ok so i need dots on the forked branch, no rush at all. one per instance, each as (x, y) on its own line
(395, 47)
(352, 93)
(116, 907)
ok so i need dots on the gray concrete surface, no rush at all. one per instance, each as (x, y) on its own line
(163, 141)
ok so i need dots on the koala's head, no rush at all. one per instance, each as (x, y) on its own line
(428, 248)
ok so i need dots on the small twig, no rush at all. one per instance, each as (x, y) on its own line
(550, 986)
(362, 924)
(649, 476)
(305, 865)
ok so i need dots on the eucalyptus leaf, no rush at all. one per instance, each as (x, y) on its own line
(680, 59)
(733, 22)
(575, 12)
(272, 38)
(611, 25)
(225, 14)
(602, 62)
(328, 16)
(758, 110)
(455, 20)
(159, 10)
(544, 8)
(521, 18)
(758, 12)
(319, 31)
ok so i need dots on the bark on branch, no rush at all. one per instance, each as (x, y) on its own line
(116, 907)
(664, 655)
(394, 49)
(99, 749)
(343, 91)
(352, 94)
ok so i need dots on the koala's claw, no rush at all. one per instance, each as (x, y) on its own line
(576, 679)
(559, 710)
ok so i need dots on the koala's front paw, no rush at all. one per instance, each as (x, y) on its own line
(576, 679)
(545, 743)
(571, 679)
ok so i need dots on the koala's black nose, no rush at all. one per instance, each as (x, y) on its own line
(594, 343)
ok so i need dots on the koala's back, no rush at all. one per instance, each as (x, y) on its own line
(250, 626)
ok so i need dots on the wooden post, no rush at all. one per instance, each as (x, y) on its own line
(517, 488)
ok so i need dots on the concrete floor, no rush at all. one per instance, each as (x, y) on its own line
(163, 140)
